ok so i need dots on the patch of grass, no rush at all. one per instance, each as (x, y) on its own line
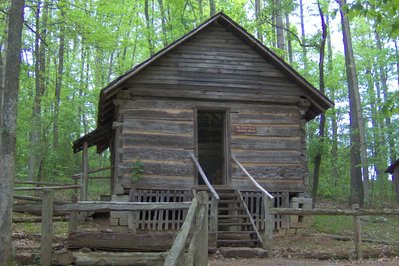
(337, 225)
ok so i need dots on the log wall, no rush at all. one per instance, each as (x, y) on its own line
(215, 69)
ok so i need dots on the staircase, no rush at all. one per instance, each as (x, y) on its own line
(235, 224)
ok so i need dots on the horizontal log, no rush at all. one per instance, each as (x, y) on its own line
(131, 111)
(163, 168)
(269, 156)
(44, 188)
(101, 206)
(37, 219)
(243, 184)
(266, 143)
(118, 258)
(268, 130)
(206, 93)
(158, 182)
(159, 126)
(155, 153)
(129, 241)
(165, 141)
(30, 198)
(271, 172)
(333, 212)
(38, 183)
(291, 119)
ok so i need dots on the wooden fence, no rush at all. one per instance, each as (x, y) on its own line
(355, 212)
(196, 221)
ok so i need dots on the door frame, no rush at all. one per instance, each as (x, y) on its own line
(226, 175)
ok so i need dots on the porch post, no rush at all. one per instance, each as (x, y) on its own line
(268, 233)
(85, 172)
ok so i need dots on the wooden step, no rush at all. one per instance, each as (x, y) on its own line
(233, 216)
(238, 241)
(237, 232)
(233, 201)
(234, 224)
(231, 208)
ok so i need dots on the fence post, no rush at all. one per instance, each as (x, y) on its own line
(201, 254)
(73, 215)
(268, 233)
(85, 172)
(47, 228)
(357, 230)
(213, 226)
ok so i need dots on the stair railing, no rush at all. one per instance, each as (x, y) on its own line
(213, 215)
(267, 237)
(202, 173)
(264, 191)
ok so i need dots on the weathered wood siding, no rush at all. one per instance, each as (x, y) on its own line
(215, 64)
(161, 137)
(215, 69)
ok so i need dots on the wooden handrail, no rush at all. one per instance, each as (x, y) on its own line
(213, 191)
(251, 178)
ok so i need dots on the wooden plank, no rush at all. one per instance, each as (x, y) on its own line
(118, 258)
(269, 156)
(85, 172)
(265, 143)
(155, 153)
(357, 231)
(98, 206)
(270, 185)
(46, 248)
(265, 119)
(268, 232)
(166, 141)
(130, 111)
(159, 126)
(179, 243)
(45, 188)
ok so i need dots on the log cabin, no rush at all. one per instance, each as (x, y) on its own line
(393, 169)
(215, 110)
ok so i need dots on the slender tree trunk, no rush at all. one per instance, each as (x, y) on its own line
(397, 60)
(148, 29)
(334, 124)
(259, 33)
(356, 120)
(163, 23)
(212, 8)
(289, 42)
(58, 83)
(40, 68)
(8, 110)
(317, 160)
(304, 50)
(279, 27)
(201, 10)
(384, 85)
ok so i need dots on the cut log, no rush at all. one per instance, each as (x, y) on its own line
(127, 241)
(119, 258)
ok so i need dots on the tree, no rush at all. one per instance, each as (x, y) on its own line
(322, 125)
(355, 116)
(8, 111)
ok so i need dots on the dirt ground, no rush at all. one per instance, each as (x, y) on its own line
(214, 261)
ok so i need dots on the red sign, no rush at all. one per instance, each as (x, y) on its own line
(245, 129)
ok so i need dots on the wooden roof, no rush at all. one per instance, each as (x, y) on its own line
(100, 137)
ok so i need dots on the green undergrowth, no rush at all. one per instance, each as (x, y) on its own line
(382, 228)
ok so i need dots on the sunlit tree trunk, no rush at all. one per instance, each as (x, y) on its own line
(356, 119)
(279, 27)
(289, 42)
(163, 23)
(149, 29)
(303, 40)
(40, 68)
(259, 33)
(8, 110)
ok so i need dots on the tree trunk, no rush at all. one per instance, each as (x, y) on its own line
(356, 119)
(317, 160)
(279, 27)
(58, 83)
(40, 67)
(384, 85)
(212, 7)
(148, 29)
(8, 110)
(163, 23)
(201, 10)
(289, 42)
(259, 33)
(304, 50)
